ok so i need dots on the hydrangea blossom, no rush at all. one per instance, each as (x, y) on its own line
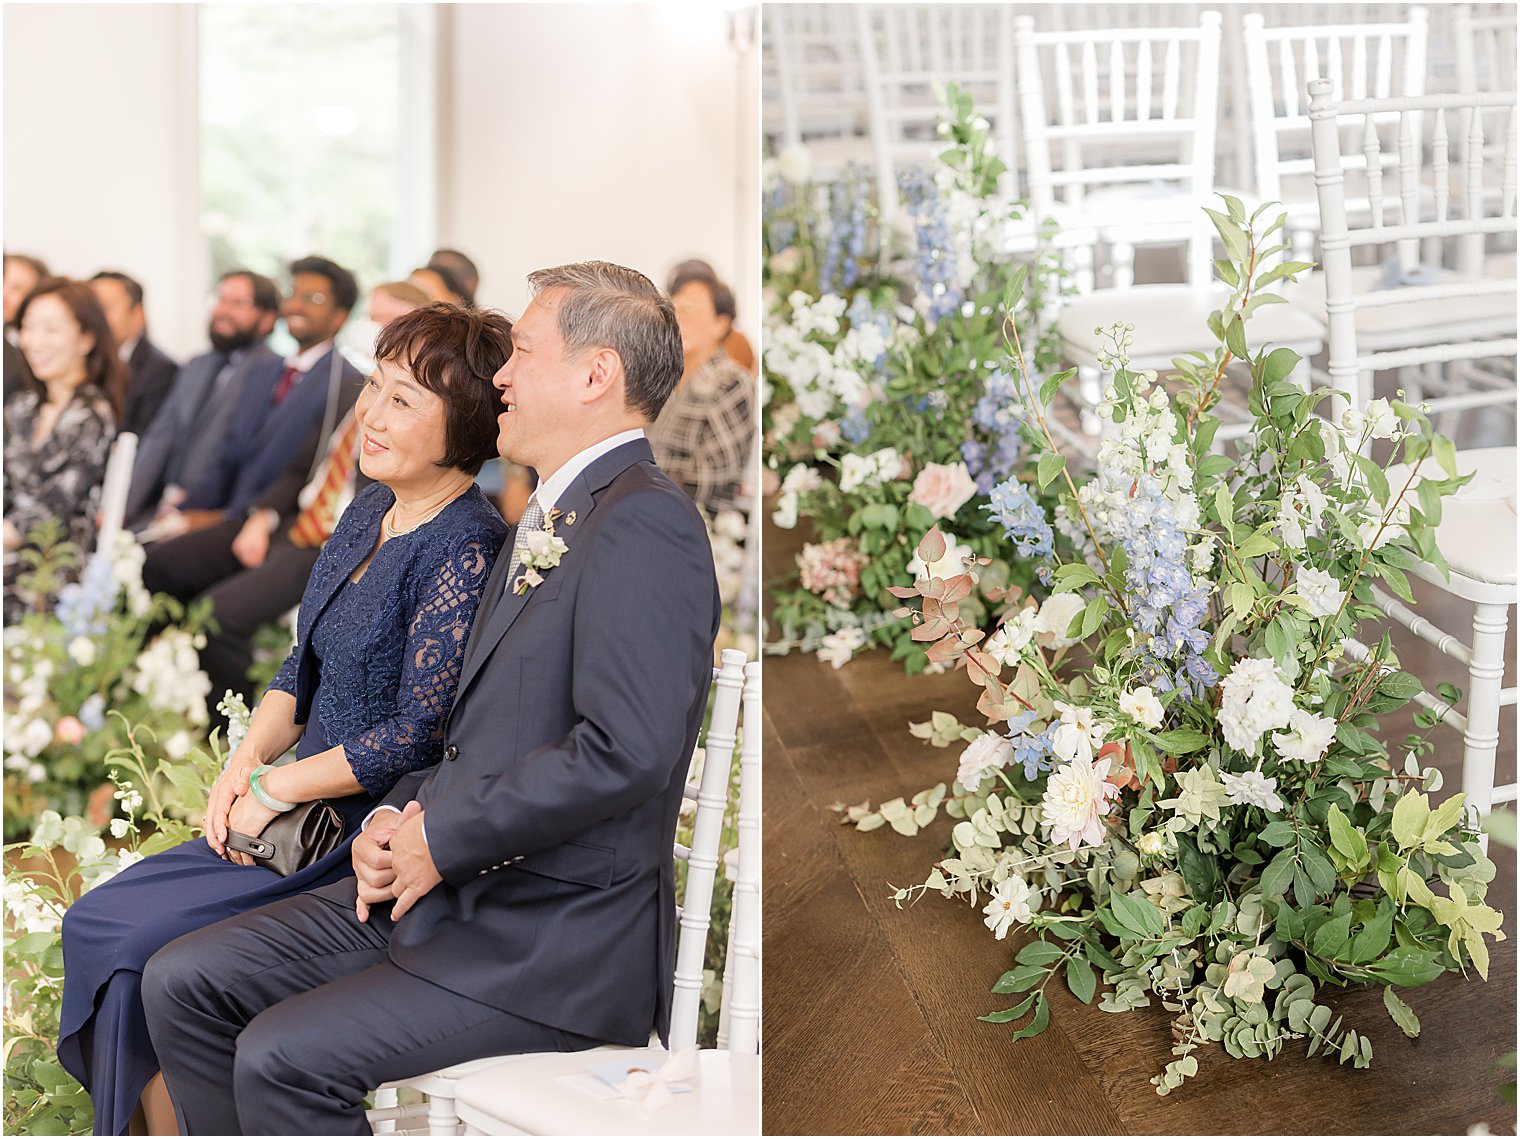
(1254, 700)
(1009, 903)
(832, 570)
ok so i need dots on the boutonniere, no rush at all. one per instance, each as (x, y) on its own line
(543, 551)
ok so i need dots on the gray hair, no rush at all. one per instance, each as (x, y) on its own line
(609, 306)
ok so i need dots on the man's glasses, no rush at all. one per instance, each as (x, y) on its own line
(309, 298)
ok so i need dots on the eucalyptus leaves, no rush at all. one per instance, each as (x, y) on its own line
(1179, 788)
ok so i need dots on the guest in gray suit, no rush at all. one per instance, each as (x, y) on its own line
(186, 435)
(518, 896)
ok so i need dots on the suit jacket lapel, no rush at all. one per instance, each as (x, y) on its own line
(576, 503)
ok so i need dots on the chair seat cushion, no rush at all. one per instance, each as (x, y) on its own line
(1476, 535)
(1172, 319)
(527, 1094)
(1410, 325)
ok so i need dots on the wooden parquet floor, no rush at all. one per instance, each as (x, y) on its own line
(869, 1010)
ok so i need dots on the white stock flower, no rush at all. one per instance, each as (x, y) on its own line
(1251, 789)
(82, 651)
(840, 646)
(1055, 618)
(119, 828)
(33, 738)
(1308, 737)
(1254, 700)
(1321, 592)
(1007, 645)
(987, 751)
(1381, 420)
(1076, 799)
(802, 477)
(855, 471)
(1009, 903)
(1078, 734)
(1142, 706)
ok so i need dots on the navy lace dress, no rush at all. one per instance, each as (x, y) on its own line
(374, 669)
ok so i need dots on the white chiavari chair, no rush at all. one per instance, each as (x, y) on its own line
(1460, 319)
(442, 1111)
(1376, 61)
(536, 1095)
(907, 52)
(816, 98)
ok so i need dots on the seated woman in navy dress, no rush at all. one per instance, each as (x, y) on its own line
(362, 697)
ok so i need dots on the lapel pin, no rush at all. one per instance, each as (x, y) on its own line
(570, 519)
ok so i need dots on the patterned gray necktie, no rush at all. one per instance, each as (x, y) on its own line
(532, 520)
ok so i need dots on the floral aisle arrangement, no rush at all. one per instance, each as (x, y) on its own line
(885, 402)
(48, 873)
(1177, 785)
(728, 531)
(67, 667)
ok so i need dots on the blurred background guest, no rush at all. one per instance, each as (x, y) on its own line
(735, 344)
(58, 439)
(22, 275)
(440, 284)
(704, 437)
(460, 267)
(392, 299)
(187, 435)
(150, 370)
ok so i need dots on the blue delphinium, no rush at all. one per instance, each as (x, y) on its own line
(854, 426)
(783, 228)
(1165, 605)
(935, 264)
(861, 315)
(996, 413)
(1023, 520)
(83, 604)
(846, 240)
(1030, 750)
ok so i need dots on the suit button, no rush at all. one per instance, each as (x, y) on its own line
(451, 752)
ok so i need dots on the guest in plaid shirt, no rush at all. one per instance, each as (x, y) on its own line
(704, 437)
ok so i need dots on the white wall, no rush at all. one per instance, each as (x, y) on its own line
(579, 132)
(100, 151)
(565, 132)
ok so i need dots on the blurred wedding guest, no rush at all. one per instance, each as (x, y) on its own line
(704, 437)
(362, 698)
(394, 298)
(57, 441)
(150, 370)
(736, 344)
(283, 410)
(460, 266)
(186, 436)
(22, 275)
(441, 284)
(254, 573)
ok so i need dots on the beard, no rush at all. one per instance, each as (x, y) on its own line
(243, 338)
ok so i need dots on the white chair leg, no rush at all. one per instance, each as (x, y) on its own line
(442, 1118)
(1123, 262)
(1485, 681)
(385, 1098)
(1090, 385)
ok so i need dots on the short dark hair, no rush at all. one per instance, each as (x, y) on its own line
(722, 295)
(453, 282)
(266, 294)
(454, 352)
(102, 367)
(458, 264)
(610, 306)
(694, 269)
(134, 290)
(345, 289)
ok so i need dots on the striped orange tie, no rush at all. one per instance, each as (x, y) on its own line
(314, 525)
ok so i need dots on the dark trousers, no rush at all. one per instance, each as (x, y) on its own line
(280, 1021)
(202, 564)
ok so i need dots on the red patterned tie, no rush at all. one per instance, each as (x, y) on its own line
(287, 381)
(314, 525)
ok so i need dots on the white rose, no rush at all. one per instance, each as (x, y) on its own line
(854, 471)
(1055, 618)
(989, 750)
(951, 564)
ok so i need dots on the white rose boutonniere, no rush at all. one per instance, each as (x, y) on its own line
(543, 551)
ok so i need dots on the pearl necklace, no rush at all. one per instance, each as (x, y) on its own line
(392, 532)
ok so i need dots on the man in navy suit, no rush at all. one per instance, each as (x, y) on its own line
(518, 896)
(152, 370)
(186, 435)
(284, 413)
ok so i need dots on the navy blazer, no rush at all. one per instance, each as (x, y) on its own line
(264, 439)
(552, 814)
(152, 375)
(185, 437)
